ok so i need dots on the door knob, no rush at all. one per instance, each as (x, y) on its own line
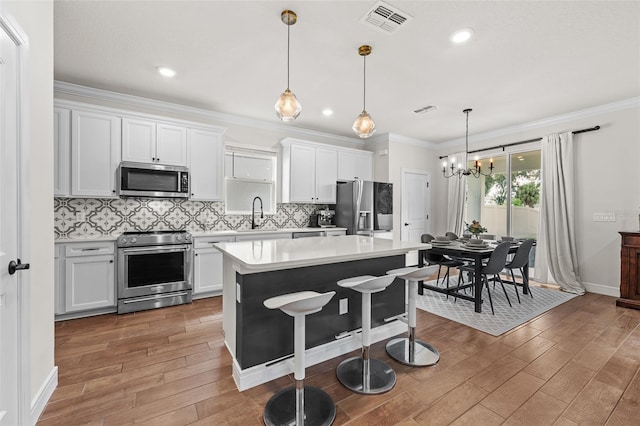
(406, 224)
(13, 267)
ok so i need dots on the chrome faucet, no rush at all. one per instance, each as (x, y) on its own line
(253, 209)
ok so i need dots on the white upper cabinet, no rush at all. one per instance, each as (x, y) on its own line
(146, 141)
(61, 145)
(326, 175)
(206, 166)
(302, 176)
(309, 173)
(171, 145)
(354, 165)
(138, 140)
(95, 153)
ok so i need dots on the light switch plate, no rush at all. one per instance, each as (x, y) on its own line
(604, 217)
(344, 306)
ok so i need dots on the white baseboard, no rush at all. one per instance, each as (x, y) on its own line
(259, 374)
(39, 401)
(602, 289)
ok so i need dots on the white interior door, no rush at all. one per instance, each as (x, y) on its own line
(415, 205)
(11, 375)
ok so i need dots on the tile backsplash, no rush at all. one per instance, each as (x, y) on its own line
(78, 218)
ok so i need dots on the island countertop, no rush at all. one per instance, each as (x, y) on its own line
(268, 255)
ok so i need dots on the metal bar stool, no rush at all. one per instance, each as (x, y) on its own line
(303, 404)
(363, 374)
(409, 350)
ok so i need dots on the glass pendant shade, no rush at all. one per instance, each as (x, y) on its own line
(364, 125)
(287, 106)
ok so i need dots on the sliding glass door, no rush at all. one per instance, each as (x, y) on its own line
(507, 202)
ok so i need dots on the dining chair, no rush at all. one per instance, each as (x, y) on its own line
(520, 261)
(439, 259)
(497, 262)
(451, 235)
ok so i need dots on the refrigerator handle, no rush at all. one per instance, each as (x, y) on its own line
(359, 185)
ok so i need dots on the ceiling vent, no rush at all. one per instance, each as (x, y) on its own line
(425, 109)
(386, 18)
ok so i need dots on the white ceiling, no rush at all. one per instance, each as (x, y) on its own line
(527, 60)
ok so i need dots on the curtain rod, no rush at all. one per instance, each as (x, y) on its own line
(575, 132)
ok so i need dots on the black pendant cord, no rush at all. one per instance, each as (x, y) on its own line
(466, 138)
(575, 132)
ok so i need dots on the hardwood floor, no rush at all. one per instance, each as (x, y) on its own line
(576, 364)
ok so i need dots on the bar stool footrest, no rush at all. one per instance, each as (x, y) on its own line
(423, 353)
(319, 409)
(382, 378)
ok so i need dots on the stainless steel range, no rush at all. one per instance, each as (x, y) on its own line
(154, 270)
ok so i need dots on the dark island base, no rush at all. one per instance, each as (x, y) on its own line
(265, 335)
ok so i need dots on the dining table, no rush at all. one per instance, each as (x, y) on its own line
(460, 250)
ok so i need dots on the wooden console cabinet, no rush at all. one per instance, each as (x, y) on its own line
(629, 270)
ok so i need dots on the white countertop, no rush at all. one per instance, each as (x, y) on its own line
(269, 255)
(220, 233)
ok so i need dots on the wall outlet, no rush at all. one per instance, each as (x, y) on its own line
(344, 306)
(604, 217)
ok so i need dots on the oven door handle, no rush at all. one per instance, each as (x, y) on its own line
(159, 296)
(156, 249)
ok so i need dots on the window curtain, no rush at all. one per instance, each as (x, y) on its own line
(556, 248)
(456, 192)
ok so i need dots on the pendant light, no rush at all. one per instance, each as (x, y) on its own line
(364, 125)
(287, 106)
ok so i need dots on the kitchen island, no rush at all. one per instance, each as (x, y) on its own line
(261, 340)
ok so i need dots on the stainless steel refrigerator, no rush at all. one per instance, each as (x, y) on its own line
(364, 207)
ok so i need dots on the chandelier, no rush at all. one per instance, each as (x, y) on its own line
(460, 171)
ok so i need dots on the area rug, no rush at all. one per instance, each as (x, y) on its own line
(505, 318)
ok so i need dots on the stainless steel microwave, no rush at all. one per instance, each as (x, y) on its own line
(152, 180)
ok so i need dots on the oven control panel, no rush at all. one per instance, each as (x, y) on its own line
(153, 238)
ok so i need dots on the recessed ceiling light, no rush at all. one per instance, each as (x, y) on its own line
(166, 72)
(327, 112)
(462, 35)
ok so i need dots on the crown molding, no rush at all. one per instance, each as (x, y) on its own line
(199, 113)
(549, 121)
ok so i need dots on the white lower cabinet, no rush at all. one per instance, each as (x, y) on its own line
(207, 265)
(85, 277)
